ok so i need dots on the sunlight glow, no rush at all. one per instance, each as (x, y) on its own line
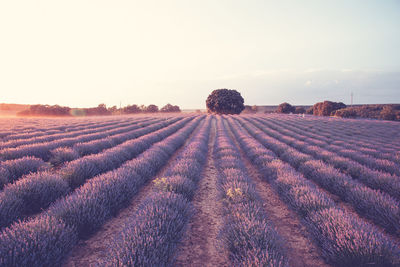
(82, 53)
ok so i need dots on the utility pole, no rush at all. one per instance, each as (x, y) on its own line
(351, 99)
(120, 110)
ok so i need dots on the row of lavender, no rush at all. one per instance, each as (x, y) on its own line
(375, 179)
(248, 235)
(23, 126)
(150, 235)
(335, 138)
(37, 191)
(46, 126)
(42, 150)
(344, 239)
(381, 132)
(375, 205)
(46, 239)
(353, 136)
(112, 138)
(72, 132)
(384, 162)
(12, 170)
(327, 135)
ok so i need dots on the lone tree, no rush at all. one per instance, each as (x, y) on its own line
(225, 101)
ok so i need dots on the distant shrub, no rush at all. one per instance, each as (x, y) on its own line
(300, 110)
(100, 110)
(225, 101)
(285, 108)
(327, 108)
(131, 109)
(346, 113)
(170, 108)
(250, 109)
(310, 111)
(387, 113)
(151, 109)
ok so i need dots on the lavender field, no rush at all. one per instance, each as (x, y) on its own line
(199, 190)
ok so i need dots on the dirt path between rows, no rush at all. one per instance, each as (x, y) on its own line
(350, 209)
(199, 245)
(345, 205)
(301, 251)
(87, 252)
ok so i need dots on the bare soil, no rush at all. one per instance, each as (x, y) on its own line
(302, 252)
(350, 208)
(199, 245)
(87, 252)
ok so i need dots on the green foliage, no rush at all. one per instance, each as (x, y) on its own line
(170, 108)
(225, 101)
(327, 108)
(285, 108)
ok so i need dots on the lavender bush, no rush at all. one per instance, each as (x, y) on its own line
(373, 204)
(82, 212)
(49, 136)
(12, 170)
(39, 242)
(165, 216)
(247, 234)
(40, 189)
(42, 150)
(76, 172)
(166, 211)
(344, 240)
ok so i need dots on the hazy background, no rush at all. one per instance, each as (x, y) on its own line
(82, 53)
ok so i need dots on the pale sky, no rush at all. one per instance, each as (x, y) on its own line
(81, 53)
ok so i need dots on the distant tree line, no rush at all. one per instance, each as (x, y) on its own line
(100, 110)
(383, 111)
(13, 107)
(339, 109)
(130, 109)
(45, 110)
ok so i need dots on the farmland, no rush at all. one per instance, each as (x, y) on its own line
(199, 190)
